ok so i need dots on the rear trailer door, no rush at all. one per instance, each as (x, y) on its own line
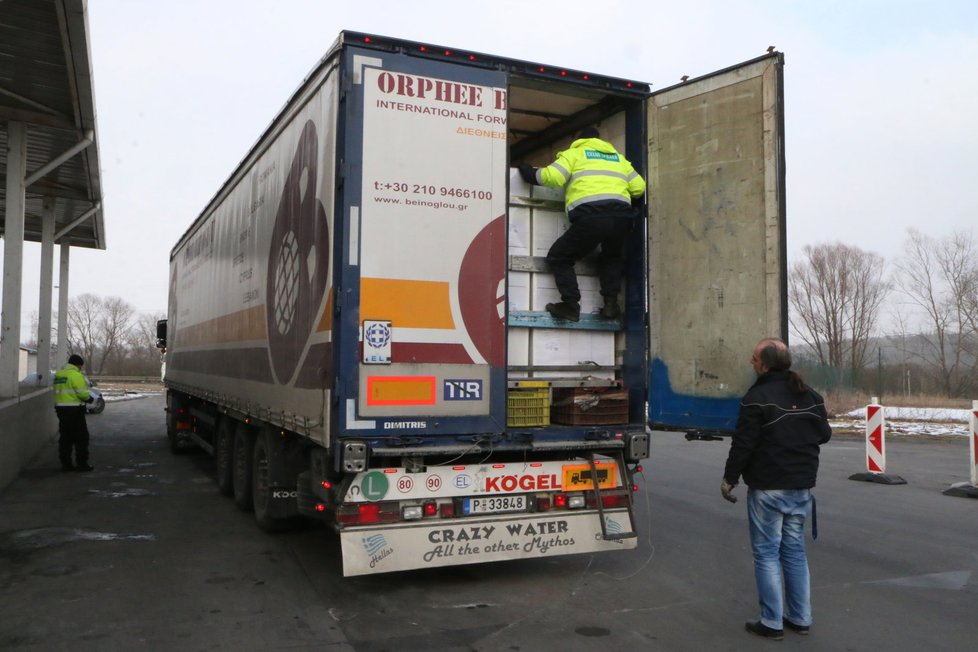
(717, 271)
(425, 260)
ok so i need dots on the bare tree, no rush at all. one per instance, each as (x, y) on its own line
(142, 357)
(940, 277)
(97, 328)
(29, 339)
(836, 294)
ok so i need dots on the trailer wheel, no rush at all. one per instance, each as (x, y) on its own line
(224, 456)
(262, 486)
(244, 444)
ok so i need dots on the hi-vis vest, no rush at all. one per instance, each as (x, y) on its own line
(593, 171)
(70, 388)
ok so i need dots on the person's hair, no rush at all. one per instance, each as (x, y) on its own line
(76, 360)
(775, 356)
(589, 132)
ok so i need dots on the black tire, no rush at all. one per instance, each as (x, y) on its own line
(244, 444)
(262, 486)
(97, 407)
(224, 455)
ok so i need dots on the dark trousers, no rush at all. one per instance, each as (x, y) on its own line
(584, 234)
(73, 434)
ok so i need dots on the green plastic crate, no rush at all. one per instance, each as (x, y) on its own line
(528, 407)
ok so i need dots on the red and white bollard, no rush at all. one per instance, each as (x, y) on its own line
(875, 443)
(876, 448)
(969, 489)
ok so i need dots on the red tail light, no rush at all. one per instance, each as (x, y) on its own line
(560, 501)
(614, 500)
(430, 508)
(447, 510)
(543, 504)
(609, 500)
(367, 513)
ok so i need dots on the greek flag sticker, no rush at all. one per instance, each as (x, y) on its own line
(374, 543)
(612, 526)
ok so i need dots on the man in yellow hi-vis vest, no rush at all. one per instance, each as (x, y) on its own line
(70, 398)
(600, 186)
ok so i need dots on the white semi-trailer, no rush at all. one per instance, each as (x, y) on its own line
(356, 327)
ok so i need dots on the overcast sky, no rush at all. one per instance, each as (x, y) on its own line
(881, 102)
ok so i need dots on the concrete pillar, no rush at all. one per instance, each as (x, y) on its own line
(44, 306)
(13, 258)
(62, 356)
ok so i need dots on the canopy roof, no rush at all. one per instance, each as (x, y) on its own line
(46, 84)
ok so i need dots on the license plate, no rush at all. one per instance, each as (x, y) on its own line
(493, 505)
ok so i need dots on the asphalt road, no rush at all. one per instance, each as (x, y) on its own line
(143, 554)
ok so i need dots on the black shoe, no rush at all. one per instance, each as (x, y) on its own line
(66, 468)
(762, 630)
(611, 310)
(564, 310)
(801, 629)
(84, 468)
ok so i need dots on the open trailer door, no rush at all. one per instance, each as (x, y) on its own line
(717, 269)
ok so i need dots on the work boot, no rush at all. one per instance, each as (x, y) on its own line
(611, 310)
(801, 629)
(762, 630)
(565, 310)
(84, 468)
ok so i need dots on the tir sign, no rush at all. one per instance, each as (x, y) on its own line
(463, 390)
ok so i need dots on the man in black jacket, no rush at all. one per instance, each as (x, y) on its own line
(775, 448)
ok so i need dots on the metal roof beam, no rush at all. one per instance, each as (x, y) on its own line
(29, 102)
(45, 188)
(50, 188)
(58, 160)
(10, 114)
(81, 218)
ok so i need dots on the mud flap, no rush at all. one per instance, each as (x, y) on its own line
(430, 544)
(283, 502)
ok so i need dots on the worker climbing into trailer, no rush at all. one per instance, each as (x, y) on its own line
(601, 188)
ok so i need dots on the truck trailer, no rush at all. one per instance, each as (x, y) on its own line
(356, 327)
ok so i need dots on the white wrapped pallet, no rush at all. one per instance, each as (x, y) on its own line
(519, 231)
(546, 226)
(519, 291)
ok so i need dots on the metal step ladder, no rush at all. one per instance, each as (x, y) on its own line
(619, 459)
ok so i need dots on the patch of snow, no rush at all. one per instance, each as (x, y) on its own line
(911, 421)
(128, 396)
(916, 414)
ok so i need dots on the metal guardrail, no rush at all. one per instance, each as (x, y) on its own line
(135, 380)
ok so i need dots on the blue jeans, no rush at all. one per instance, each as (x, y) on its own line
(777, 538)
